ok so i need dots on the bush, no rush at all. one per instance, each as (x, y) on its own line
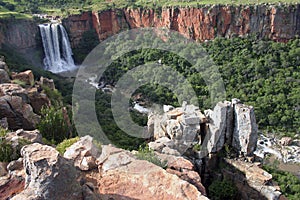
(53, 125)
(8, 152)
(61, 147)
(149, 155)
(220, 190)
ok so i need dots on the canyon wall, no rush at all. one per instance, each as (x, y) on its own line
(21, 37)
(279, 23)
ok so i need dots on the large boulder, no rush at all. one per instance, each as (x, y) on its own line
(125, 177)
(19, 114)
(4, 77)
(26, 77)
(30, 136)
(181, 125)
(11, 89)
(48, 175)
(184, 169)
(84, 153)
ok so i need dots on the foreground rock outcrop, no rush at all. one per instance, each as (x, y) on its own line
(125, 177)
(277, 22)
(179, 129)
(21, 100)
(48, 175)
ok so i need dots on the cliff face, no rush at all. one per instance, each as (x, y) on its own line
(19, 34)
(23, 37)
(205, 23)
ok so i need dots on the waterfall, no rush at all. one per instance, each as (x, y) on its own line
(57, 48)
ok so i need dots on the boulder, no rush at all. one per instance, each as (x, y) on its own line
(181, 125)
(4, 77)
(16, 169)
(113, 158)
(47, 82)
(11, 89)
(84, 153)
(26, 77)
(30, 136)
(184, 169)
(19, 114)
(159, 144)
(124, 177)
(245, 129)
(38, 100)
(48, 175)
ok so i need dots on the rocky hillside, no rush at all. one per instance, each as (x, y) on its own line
(184, 157)
(279, 23)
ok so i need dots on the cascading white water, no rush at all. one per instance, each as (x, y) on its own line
(57, 48)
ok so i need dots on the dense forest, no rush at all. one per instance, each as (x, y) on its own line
(261, 73)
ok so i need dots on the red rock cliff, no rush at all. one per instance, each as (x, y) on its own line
(205, 23)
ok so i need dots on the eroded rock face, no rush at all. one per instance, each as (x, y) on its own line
(251, 181)
(184, 169)
(4, 77)
(84, 153)
(48, 175)
(38, 100)
(26, 77)
(18, 113)
(278, 23)
(219, 126)
(181, 125)
(245, 129)
(124, 177)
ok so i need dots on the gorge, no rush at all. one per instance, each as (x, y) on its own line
(193, 152)
(276, 22)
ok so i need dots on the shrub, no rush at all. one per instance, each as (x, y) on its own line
(19, 82)
(149, 155)
(8, 152)
(53, 125)
(61, 147)
(224, 189)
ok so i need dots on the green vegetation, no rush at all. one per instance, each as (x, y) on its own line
(53, 125)
(289, 184)
(261, 73)
(61, 147)
(149, 155)
(8, 152)
(19, 82)
(109, 126)
(221, 190)
(17, 8)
